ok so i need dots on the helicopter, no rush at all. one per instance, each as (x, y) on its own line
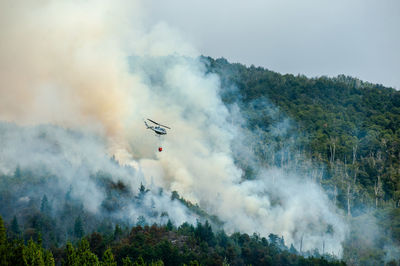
(158, 129)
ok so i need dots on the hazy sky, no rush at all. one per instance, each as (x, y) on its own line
(360, 38)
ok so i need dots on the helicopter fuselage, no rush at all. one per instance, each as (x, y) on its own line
(159, 130)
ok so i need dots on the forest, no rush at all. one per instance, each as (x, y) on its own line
(349, 130)
(156, 245)
(348, 127)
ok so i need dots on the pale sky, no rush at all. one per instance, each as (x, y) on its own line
(360, 38)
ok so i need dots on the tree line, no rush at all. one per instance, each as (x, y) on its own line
(158, 245)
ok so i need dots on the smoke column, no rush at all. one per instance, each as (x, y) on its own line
(101, 67)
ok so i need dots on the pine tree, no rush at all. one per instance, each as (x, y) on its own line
(108, 259)
(33, 254)
(72, 258)
(3, 236)
(48, 258)
(141, 221)
(85, 256)
(117, 232)
(45, 206)
(17, 253)
(78, 227)
(142, 189)
(169, 225)
(139, 262)
(127, 262)
(175, 195)
(3, 243)
(17, 173)
(16, 232)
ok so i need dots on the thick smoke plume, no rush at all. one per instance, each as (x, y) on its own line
(101, 67)
(76, 164)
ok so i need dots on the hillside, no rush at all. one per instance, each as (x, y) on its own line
(120, 144)
(349, 128)
(349, 124)
(291, 132)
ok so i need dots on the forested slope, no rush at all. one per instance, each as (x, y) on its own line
(349, 124)
(342, 132)
(349, 128)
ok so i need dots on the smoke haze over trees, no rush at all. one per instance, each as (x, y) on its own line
(298, 162)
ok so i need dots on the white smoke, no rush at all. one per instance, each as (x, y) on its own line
(68, 162)
(95, 66)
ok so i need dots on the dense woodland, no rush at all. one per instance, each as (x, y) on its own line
(353, 127)
(348, 129)
(157, 245)
(38, 234)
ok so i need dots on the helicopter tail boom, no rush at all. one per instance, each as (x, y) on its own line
(147, 126)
